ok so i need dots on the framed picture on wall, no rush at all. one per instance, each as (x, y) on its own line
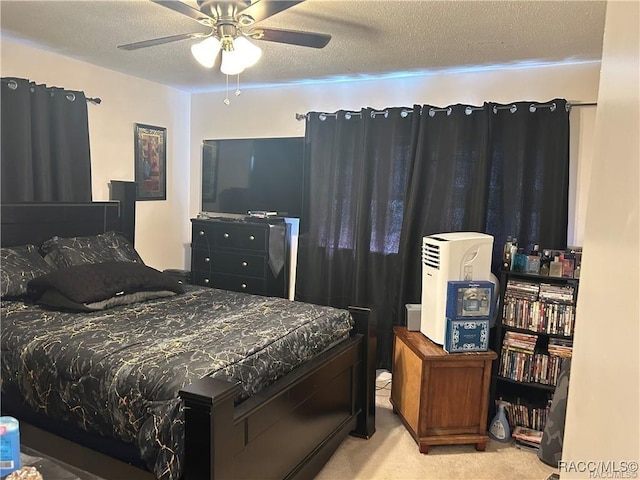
(151, 162)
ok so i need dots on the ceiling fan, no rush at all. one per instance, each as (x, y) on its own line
(232, 23)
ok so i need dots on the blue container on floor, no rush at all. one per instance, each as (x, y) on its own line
(9, 445)
(499, 429)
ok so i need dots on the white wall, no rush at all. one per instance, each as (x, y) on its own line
(271, 111)
(603, 412)
(161, 226)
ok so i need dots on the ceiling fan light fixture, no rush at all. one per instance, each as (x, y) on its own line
(232, 62)
(249, 52)
(205, 52)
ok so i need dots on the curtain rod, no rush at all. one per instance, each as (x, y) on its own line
(468, 110)
(13, 85)
(586, 104)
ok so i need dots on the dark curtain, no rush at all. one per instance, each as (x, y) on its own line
(45, 143)
(380, 181)
(448, 192)
(357, 177)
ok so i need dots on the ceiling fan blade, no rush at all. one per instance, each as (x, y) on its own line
(261, 9)
(159, 41)
(304, 39)
(183, 8)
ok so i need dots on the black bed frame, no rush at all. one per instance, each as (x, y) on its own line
(289, 430)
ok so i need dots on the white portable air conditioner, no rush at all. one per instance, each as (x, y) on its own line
(447, 257)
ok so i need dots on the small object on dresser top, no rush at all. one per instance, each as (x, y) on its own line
(261, 213)
(25, 473)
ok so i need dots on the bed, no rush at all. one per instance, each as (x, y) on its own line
(138, 380)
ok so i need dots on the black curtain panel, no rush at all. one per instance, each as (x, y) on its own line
(333, 152)
(45, 143)
(378, 181)
(448, 190)
(357, 178)
(529, 151)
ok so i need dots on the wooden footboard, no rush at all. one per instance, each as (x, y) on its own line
(291, 428)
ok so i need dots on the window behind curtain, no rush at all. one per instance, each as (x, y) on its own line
(380, 181)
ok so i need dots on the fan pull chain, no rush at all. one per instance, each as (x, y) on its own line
(238, 92)
(226, 97)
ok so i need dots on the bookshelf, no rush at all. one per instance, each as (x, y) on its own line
(534, 334)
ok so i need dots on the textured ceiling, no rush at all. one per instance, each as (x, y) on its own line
(369, 38)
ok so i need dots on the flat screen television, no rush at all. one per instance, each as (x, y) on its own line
(253, 174)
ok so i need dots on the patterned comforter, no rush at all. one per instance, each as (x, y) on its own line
(117, 372)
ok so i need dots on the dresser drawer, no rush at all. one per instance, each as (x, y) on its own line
(241, 237)
(240, 284)
(230, 235)
(226, 262)
(235, 283)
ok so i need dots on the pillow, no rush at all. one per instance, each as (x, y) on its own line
(55, 300)
(105, 247)
(19, 265)
(98, 286)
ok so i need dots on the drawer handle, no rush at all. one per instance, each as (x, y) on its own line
(226, 235)
(244, 285)
(251, 237)
(206, 280)
(244, 264)
(201, 233)
(207, 259)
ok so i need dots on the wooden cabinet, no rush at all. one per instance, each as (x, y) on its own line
(441, 398)
(243, 256)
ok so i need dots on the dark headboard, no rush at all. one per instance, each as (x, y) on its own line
(125, 193)
(34, 223)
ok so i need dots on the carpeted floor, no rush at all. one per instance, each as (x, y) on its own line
(393, 454)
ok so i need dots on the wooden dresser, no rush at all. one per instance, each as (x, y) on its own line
(243, 256)
(442, 398)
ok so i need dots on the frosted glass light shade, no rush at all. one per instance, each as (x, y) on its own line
(206, 51)
(232, 62)
(249, 52)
